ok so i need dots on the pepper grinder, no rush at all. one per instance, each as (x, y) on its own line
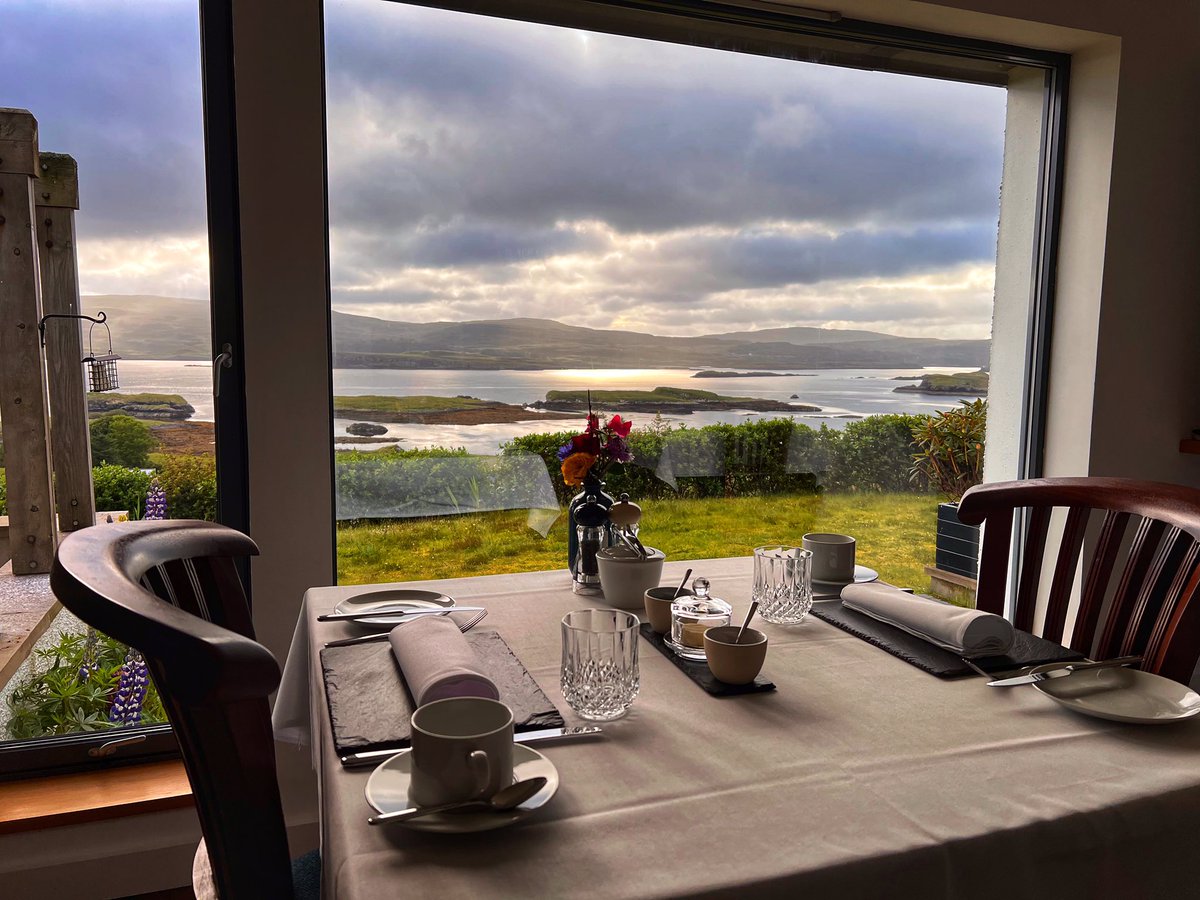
(591, 528)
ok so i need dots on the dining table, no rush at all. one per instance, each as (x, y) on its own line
(860, 775)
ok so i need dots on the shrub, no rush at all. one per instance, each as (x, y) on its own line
(69, 687)
(121, 440)
(191, 486)
(118, 487)
(3, 494)
(950, 448)
(875, 454)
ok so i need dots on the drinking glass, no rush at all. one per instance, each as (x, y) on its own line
(600, 662)
(783, 584)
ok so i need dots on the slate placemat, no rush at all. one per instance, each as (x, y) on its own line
(369, 703)
(1027, 649)
(698, 670)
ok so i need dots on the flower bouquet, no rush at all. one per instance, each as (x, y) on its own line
(590, 454)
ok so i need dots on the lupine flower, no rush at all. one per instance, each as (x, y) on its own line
(126, 709)
(156, 502)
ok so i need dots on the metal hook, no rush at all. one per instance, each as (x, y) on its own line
(99, 319)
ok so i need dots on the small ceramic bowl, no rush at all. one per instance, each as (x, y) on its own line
(735, 663)
(658, 606)
(625, 576)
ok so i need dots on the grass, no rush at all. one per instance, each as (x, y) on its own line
(957, 381)
(109, 397)
(376, 403)
(895, 536)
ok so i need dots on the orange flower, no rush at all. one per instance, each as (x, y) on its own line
(575, 466)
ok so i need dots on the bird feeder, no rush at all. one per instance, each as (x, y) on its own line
(102, 370)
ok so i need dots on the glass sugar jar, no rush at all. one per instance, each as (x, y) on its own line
(692, 616)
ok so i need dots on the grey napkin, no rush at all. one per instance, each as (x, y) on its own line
(967, 632)
(437, 661)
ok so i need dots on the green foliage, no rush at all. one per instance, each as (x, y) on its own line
(378, 403)
(875, 455)
(121, 440)
(3, 494)
(191, 486)
(599, 398)
(50, 699)
(118, 487)
(950, 448)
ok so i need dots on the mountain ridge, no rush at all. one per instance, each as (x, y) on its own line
(149, 327)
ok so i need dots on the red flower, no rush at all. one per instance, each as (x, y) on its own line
(593, 423)
(618, 427)
(586, 443)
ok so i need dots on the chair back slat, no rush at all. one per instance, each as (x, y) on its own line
(993, 562)
(1031, 567)
(1141, 557)
(1099, 575)
(1182, 573)
(1152, 592)
(1151, 611)
(170, 589)
(1065, 566)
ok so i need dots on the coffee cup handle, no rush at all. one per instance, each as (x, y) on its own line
(481, 767)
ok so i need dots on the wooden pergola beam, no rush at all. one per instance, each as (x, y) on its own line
(23, 396)
(55, 202)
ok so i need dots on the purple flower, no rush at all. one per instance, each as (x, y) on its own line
(618, 449)
(126, 706)
(89, 663)
(156, 502)
(565, 450)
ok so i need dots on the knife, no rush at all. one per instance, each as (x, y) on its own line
(373, 757)
(1065, 669)
(393, 613)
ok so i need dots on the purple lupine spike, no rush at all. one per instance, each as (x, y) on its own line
(156, 501)
(126, 709)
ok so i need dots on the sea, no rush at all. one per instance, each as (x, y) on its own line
(843, 395)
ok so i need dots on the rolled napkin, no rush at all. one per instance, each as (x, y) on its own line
(966, 632)
(437, 661)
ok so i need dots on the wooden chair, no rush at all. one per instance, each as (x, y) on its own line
(1142, 606)
(170, 589)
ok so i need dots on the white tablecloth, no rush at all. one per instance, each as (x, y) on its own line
(862, 776)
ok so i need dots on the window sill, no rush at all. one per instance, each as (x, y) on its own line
(37, 803)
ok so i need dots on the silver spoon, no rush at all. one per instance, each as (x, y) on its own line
(686, 576)
(749, 616)
(502, 801)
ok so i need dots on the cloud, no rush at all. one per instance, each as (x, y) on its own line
(481, 167)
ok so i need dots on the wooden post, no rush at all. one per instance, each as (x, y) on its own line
(55, 201)
(23, 399)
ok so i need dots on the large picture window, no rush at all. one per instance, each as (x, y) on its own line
(770, 246)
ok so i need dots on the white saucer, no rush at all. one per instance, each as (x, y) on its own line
(861, 576)
(1123, 695)
(402, 597)
(387, 791)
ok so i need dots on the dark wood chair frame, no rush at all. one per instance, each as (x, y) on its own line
(170, 589)
(1151, 612)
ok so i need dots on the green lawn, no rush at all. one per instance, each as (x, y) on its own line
(418, 403)
(895, 535)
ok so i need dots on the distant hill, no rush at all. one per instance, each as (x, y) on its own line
(167, 328)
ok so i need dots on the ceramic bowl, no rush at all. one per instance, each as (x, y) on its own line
(625, 576)
(735, 663)
(658, 606)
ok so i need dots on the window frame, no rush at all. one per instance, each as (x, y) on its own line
(90, 750)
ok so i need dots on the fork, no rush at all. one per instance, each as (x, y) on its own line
(383, 635)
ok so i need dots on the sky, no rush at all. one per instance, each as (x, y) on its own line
(482, 168)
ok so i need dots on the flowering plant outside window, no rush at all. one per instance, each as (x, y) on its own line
(596, 449)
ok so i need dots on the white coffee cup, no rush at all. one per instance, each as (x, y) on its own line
(833, 556)
(462, 749)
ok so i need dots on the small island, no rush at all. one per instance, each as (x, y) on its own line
(723, 373)
(971, 384)
(160, 407)
(666, 400)
(425, 410)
